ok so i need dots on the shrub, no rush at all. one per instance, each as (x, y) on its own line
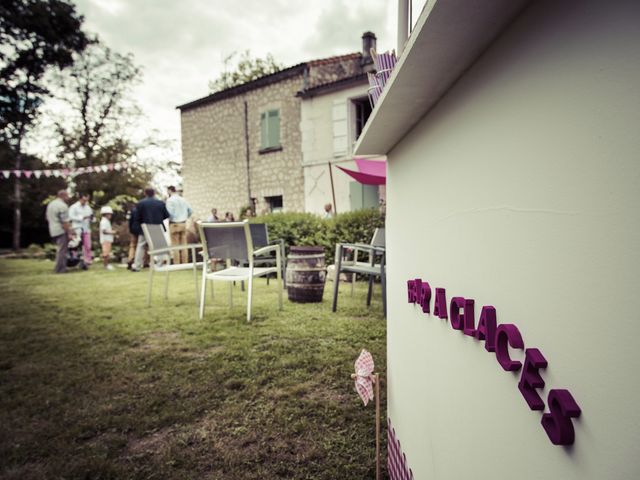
(310, 229)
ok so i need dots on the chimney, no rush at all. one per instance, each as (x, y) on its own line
(368, 42)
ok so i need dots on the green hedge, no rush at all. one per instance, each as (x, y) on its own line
(310, 229)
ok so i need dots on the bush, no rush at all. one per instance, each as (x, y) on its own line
(50, 250)
(310, 229)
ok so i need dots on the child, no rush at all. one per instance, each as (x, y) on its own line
(106, 235)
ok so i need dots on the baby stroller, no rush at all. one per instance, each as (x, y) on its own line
(74, 253)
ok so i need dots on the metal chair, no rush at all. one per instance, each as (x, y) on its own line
(234, 241)
(160, 258)
(374, 266)
(260, 237)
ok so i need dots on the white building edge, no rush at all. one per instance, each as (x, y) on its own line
(511, 131)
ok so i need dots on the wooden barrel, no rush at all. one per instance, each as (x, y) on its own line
(306, 273)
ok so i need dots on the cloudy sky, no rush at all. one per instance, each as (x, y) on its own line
(181, 44)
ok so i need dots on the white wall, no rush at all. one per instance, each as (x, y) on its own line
(320, 145)
(521, 190)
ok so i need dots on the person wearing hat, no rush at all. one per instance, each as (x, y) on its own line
(106, 235)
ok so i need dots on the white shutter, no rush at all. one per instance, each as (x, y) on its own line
(340, 130)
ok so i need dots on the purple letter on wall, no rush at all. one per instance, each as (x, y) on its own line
(462, 321)
(457, 319)
(424, 297)
(487, 328)
(557, 423)
(507, 335)
(469, 317)
(411, 291)
(530, 378)
(440, 304)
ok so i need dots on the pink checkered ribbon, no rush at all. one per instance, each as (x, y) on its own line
(364, 376)
(397, 461)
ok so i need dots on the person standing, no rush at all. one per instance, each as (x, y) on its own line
(134, 232)
(151, 211)
(328, 211)
(106, 235)
(60, 228)
(179, 212)
(214, 216)
(80, 214)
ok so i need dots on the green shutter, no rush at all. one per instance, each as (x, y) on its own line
(274, 128)
(264, 139)
(270, 129)
(370, 196)
(355, 195)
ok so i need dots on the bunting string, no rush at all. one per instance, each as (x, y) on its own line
(64, 172)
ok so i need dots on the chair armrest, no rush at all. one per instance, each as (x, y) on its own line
(362, 246)
(269, 248)
(174, 248)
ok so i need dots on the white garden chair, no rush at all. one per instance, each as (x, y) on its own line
(232, 241)
(160, 258)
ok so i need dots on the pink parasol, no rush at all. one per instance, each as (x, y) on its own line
(370, 172)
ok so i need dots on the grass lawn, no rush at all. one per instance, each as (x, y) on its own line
(95, 385)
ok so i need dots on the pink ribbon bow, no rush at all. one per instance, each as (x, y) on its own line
(364, 376)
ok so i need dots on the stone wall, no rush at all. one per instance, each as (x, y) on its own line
(214, 148)
(214, 152)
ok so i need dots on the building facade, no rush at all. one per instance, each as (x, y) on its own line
(243, 146)
(333, 116)
(513, 193)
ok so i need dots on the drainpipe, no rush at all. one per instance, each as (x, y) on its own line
(246, 144)
(404, 7)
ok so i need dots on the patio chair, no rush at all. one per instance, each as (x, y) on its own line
(374, 266)
(260, 237)
(374, 90)
(160, 258)
(233, 241)
(384, 63)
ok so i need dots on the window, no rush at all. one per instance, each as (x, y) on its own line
(362, 111)
(363, 196)
(270, 129)
(274, 203)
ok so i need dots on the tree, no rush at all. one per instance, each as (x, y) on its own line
(35, 36)
(94, 122)
(34, 193)
(247, 69)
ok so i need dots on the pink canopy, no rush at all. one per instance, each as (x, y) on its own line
(370, 172)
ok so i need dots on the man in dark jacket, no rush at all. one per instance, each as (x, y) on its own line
(135, 230)
(151, 211)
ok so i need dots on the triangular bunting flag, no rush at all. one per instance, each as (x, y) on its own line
(56, 173)
(37, 173)
(47, 173)
(6, 173)
(27, 173)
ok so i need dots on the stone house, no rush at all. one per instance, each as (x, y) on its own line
(243, 145)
